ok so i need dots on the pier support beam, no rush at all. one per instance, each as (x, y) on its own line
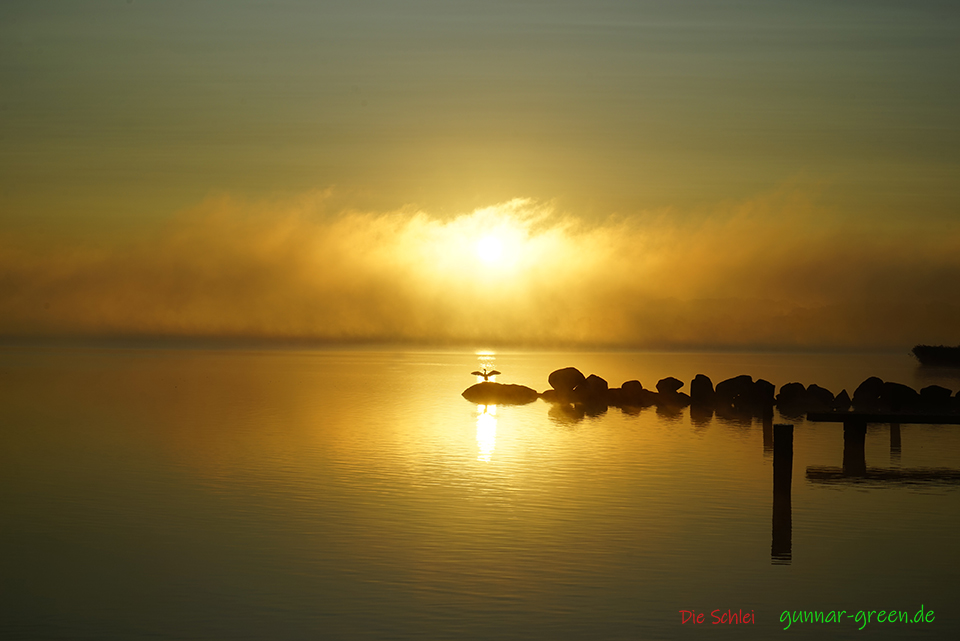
(782, 544)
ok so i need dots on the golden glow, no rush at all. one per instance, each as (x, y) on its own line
(288, 269)
(489, 250)
(486, 431)
(495, 246)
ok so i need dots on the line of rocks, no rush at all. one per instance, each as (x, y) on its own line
(742, 394)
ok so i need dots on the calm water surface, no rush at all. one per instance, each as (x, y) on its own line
(189, 494)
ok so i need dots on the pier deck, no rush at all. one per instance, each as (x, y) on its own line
(901, 418)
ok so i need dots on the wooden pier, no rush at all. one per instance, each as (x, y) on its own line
(779, 438)
(855, 431)
(898, 418)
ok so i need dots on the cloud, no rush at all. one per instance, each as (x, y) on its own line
(777, 271)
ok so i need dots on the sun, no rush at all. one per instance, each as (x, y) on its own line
(489, 250)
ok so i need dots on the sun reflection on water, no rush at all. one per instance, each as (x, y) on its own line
(486, 431)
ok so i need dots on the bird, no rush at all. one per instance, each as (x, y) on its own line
(485, 374)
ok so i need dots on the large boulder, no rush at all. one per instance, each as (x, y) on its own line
(898, 397)
(792, 395)
(649, 397)
(935, 395)
(868, 393)
(702, 392)
(565, 380)
(632, 389)
(743, 394)
(792, 399)
(488, 393)
(672, 400)
(734, 391)
(669, 385)
(763, 393)
(819, 399)
(593, 390)
(632, 394)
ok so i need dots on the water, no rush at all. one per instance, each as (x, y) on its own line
(190, 494)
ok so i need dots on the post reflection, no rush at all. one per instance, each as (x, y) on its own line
(781, 547)
(486, 431)
(854, 453)
(895, 444)
(767, 433)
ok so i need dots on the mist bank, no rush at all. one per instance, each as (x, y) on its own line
(773, 272)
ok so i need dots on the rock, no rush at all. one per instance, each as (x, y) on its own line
(631, 395)
(702, 392)
(743, 394)
(842, 402)
(819, 399)
(936, 397)
(868, 393)
(648, 398)
(792, 395)
(763, 393)
(672, 399)
(632, 392)
(899, 397)
(615, 397)
(669, 385)
(934, 394)
(488, 393)
(566, 379)
(734, 391)
(593, 390)
(792, 400)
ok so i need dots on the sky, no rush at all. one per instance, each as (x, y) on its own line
(676, 175)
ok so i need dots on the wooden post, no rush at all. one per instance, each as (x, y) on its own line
(782, 543)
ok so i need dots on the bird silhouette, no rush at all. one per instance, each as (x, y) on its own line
(485, 374)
